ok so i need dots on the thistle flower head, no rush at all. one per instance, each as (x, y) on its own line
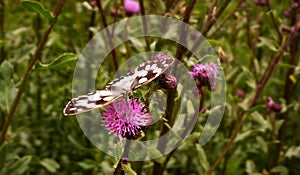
(126, 118)
(205, 71)
(168, 81)
(205, 75)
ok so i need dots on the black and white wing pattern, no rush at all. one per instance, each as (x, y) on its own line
(90, 101)
(142, 75)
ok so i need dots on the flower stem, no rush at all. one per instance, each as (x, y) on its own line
(124, 158)
(28, 73)
(187, 128)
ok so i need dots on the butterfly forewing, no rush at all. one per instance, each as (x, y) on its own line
(90, 101)
(143, 74)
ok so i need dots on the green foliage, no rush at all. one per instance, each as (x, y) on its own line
(33, 6)
(40, 140)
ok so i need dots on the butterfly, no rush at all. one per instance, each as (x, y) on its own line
(119, 87)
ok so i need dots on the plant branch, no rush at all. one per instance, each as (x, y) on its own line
(270, 70)
(108, 34)
(28, 73)
(208, 25)
(193, 120)
(251, 46)
(171, 93)
(274, 22)
(183, 31)
(145, 27)
(213, 16)
(259, 89)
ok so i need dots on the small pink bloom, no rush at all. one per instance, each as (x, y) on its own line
(275, 107)
(131, 6)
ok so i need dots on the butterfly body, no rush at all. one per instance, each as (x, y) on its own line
(119, 87)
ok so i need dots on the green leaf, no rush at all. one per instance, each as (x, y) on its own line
(63, 62)
(86, 164)
(34, 6)
(2, 42)
(202, 159)
(3, 151)
(6, 69)
(260, 119)
(7, 88)
(50, 164)
(190, 107)
(128, 169)
(268, 43)
(280, 169)
(19, 167)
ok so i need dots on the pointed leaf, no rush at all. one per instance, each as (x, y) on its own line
(19, 167)
(50, 164)
(64, 61)
(34, 6)
(3, 151)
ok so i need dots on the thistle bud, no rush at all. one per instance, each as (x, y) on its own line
(168, 81)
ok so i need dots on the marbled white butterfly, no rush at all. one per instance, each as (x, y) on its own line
(143, 74)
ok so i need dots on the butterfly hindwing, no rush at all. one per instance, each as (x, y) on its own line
(90, 101)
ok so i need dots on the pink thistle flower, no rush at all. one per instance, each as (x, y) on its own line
(126, 119)
(205, 75)
(131, 6)
(205, 71)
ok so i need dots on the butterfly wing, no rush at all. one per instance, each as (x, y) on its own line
(90, 101)
(122, 83)
(150, 70)
(143, 74)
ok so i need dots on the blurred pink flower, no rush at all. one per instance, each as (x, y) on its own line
(131, 6)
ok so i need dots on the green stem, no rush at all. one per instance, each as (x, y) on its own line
(171, 93)
(2, 32)
(124, 158)
(28, 73)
